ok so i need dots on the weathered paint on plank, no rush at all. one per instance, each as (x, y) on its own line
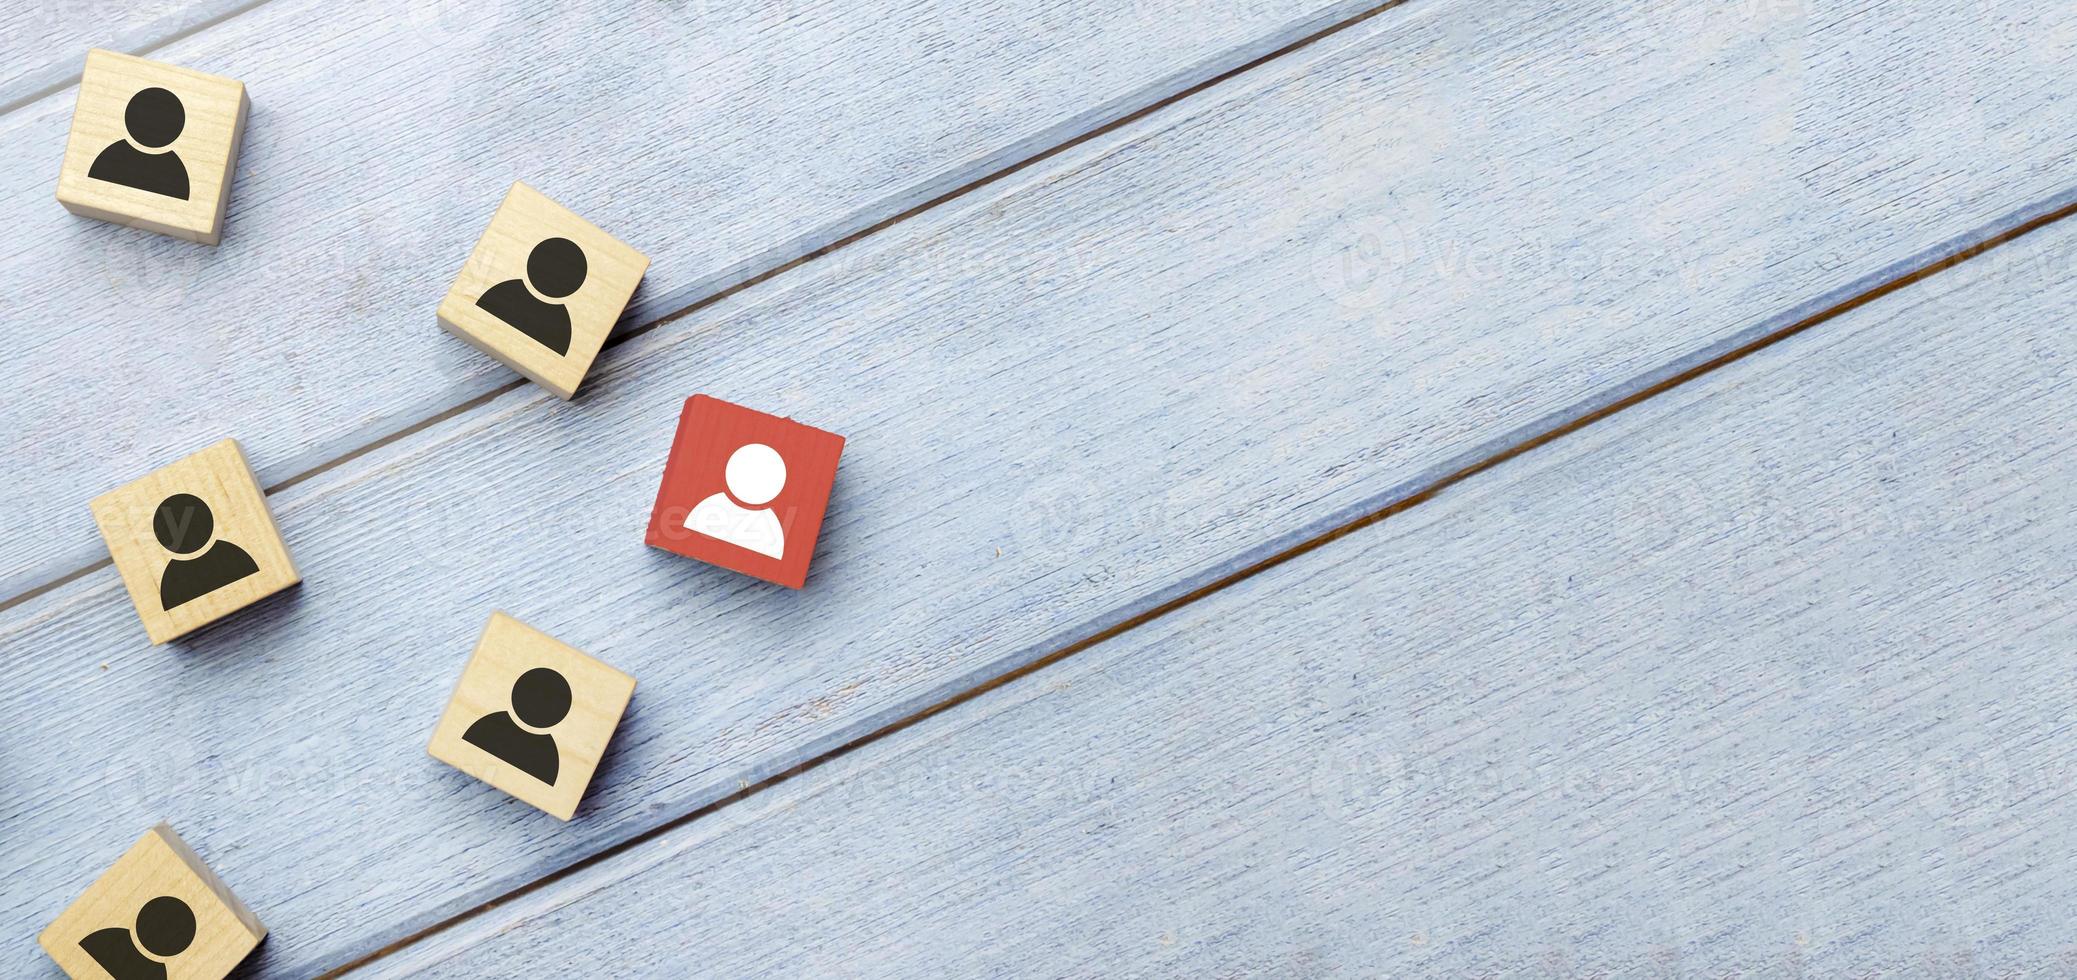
(43, 46)
(723, 139)
(1071, 396)
(1768, 676)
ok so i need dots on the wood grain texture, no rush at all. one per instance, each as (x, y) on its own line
(230, 553)
(608, 271)
(1767, 676)
(202, 147)
(594, 697)
(1071, 396)
(721, 138)
(44, 45)
(221, 930)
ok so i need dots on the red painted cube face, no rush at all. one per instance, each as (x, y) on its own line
(745, 490)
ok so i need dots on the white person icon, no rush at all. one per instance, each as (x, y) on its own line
(755, 474)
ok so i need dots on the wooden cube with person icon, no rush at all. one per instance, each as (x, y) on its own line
(194, 541)
(153, 146)
(745, 490)
(531, 715)
(542, 290)
(157, 912)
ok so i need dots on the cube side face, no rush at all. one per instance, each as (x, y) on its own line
(200, 869)
(156, 878)
(174, 175)
(542, 290)
(750, 515)
(505, 726)
(214, 233)
(210, 505)
(667, 517)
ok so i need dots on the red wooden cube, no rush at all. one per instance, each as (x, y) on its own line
(745, 490)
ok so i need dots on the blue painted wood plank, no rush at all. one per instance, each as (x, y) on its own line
(1072, 395)
(43, 46)
(1767, 676)
(722, 139)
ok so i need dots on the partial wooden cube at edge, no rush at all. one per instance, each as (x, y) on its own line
(531, 716)
(542, 290)
(158, 910)
(153, 146)
(194, 541)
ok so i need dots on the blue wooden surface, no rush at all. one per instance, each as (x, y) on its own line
(44, 45)
(723, 139)
(1073, 395)
(1767, 676)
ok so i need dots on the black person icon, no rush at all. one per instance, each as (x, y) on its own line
(554, 269)
(184, 524)
(541, 698)
(154, 119)
(165, 927)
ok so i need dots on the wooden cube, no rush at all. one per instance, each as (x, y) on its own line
(153, 146)
(542, 290)
(531, 716)
(158, 911)
(194, 541)
(745, 490)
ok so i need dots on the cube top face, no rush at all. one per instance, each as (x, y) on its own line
(745, 490)
(153, 146)
(531, 716)
(542, 290)
(194, 541)
(158, 911)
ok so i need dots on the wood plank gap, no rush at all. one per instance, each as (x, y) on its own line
(179, 35)
(1421, 490)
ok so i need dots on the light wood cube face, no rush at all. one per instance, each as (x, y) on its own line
(153, 146)
(194, 541)
(531, 716)
(542, 290)
(158, 911)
